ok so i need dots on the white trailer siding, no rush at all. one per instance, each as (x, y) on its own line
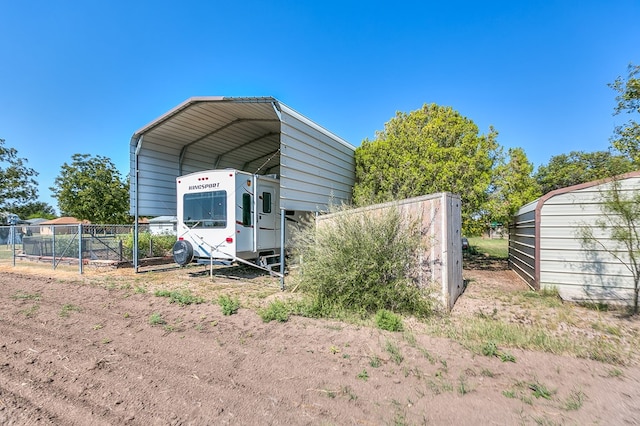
(561, 258)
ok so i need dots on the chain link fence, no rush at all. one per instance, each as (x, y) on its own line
(83, 244)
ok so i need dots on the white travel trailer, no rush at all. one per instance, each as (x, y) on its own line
(228, 215)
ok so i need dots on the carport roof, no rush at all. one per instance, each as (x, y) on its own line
(241, 133)
(253, 134)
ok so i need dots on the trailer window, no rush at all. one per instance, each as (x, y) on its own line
(205, 209)
(246, 209)
(266, 202)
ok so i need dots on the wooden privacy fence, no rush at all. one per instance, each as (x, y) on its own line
(439, 219)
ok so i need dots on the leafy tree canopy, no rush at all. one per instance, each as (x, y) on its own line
(91, 188)
(579, 167)
(34, 209)
(433, 149)
(626, 137)
(514, 186)
(17, 183)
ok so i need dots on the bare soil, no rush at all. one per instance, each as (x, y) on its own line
(78, 350)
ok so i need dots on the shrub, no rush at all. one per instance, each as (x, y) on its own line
(362, 262)
(228, 304)
(156, 319)
(275, 311)
(159, 245)
(387, 320)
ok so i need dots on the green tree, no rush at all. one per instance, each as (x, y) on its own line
(433, 149)
(626, 137)
(619, 231)
(91, 188)
(34, 209)
(17, 183)
(514, 186)
(579, 167)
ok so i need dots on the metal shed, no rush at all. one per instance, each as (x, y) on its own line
(258, 135)
(547, 251)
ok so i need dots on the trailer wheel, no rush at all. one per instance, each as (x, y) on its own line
(182, 252)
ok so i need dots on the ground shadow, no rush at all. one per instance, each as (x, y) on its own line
(474, 260)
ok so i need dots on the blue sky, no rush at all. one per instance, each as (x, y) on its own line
(83, 76)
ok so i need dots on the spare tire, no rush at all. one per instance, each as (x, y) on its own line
(182, 252)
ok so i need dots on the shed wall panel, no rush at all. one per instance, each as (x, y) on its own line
(326, 162)
(297, 171)
(522, 240)
(578, 270)
(156, 182)
(562, 259)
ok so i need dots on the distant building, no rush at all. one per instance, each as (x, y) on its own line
(46, 227)
(163, 225)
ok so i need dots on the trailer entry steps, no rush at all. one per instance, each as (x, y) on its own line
(269, 262)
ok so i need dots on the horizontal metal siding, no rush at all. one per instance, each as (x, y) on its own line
(522, 237)
(156, 182)
(578, 272)
(307, 175)
(316, 167)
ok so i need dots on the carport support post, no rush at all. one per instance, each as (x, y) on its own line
(80, 247)
(12, 232)
(136, 213)
(282, 230)
(53, 245)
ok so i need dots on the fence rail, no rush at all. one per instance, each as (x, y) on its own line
(81, 244)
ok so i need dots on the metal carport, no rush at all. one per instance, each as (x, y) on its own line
(258, 135)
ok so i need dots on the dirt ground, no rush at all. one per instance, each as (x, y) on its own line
(84, 350)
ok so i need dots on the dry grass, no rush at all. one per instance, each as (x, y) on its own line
(508, 315)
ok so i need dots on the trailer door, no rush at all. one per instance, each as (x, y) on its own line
(267, 232)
